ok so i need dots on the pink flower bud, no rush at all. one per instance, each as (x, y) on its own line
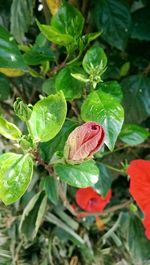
(84, 141)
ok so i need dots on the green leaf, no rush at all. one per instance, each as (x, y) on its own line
(66, 218)
(68, 20)
(125, 69)
(133, 134)
(32, 216)
(57, 144)
(40, 52)
(5, 12)
(47, 117)
(79, 175)
(15, 175)
(21, 17)
(53, 35)
(37, 55)
(90, 37)
(51, 189)
(80, 77)
(105, 180)
(113, 19)
(48, 86)
(136, 98)
(10, 56)
(55, 220)
(141, 24)
(9, 130)
(22, 110)
(4, 87)
(95, 57)
(113, 88)
(138, 244)
(71, 87)
(105, 109)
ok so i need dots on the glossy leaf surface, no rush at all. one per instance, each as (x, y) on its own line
(71, 87)
(113, 19)
(15, 175)
(133, 134)
(9, 130)
(79, 175)
(113, 88)
(47, 117)
(10, 56)
(68, 20)
(136, 90)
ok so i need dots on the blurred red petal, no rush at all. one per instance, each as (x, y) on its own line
(139, 172)
(89, 200)
(146, 221)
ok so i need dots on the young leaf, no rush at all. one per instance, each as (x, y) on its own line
(133, 134)
(95, 57)
(15, 175)
(90, 37)
(55, 36)
(79, 175)
(9, 130)
(125, 69)
(113, 19)
(47, 117)
(33, 216)
(105, 109)
(68, 20)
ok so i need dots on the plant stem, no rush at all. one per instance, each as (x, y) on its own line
(55, 69)
(29, 129)
(116, 150)
(107, 211)
(42, 162)
(115, 169)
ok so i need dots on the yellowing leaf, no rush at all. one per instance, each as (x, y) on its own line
(11, 72)
(53, 5)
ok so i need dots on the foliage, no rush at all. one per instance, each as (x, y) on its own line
(62, 64)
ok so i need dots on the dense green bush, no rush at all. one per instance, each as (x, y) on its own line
(63, 65)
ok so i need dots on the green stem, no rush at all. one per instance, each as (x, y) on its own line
(115, 169)
(116, 150)
(75, 59)
(30, 130)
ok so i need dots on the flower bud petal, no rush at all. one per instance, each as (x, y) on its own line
(85, 141)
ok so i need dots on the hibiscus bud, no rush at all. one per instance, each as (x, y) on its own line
(84, 141)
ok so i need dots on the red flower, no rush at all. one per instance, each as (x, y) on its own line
(84, 141)
(146, 221)
(89, 200)
(139, 172)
